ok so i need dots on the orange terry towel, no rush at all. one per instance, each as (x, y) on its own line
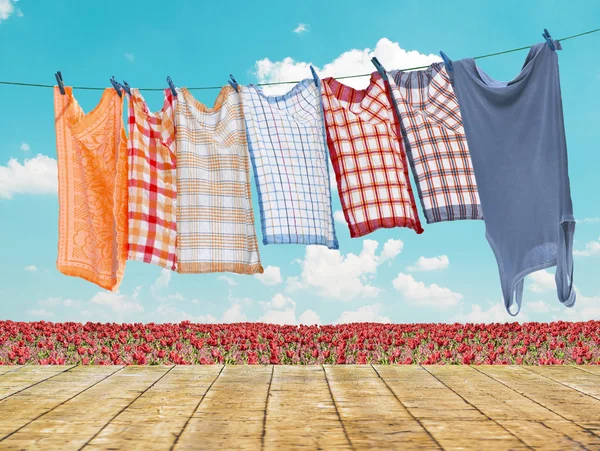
(92, 186)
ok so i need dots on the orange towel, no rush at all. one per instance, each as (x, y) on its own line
(92, 185)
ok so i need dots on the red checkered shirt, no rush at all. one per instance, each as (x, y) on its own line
(364, 140)
(436, 144)
(151, 151)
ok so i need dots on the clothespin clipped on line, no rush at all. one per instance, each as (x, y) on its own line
(447, 62)
(172, 86)
(315, 77)
(548, 38)
(126, 87)
(117, 86)
(59, 80)
(234, 84)
(379, 67)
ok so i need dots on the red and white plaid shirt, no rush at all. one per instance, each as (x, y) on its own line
(365, 145)
(151, 151)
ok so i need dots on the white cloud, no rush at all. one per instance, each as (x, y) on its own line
(340, 276)
(365, 314)
(542, 281)
(391, 249)
(129, 57)
(279, 301)
(41, 313)
(287, 316)
(418, 293)
(293, 284)
(162, 281)
(282, 310)
(25, 147)
(167, 313)
(430, 263)
(31, 268)
(37, 175)
(537, 307)
(229, 280)
(234, 314)
(7, 7)
(309, 317)
(591, 248)
(585, 308)
(495, 314)
(352, 62)
(59, 302)
(302, 28)
(338, 216)
(589, 220)
(270, 276)
(119, 303)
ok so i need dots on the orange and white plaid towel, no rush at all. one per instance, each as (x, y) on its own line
(92, 187)
(215, 220)
(152, 190)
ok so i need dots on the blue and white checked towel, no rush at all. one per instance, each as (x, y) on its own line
(288, 150)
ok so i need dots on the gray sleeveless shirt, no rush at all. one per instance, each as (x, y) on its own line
(516, 136)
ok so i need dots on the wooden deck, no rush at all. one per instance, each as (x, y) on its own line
(289, 407)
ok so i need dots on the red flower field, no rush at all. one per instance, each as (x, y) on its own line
(46, 343)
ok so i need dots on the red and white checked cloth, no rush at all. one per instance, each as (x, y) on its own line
(152, 156)
(366, 150)
(436, 144)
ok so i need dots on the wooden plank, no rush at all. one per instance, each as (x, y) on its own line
(32, 403)
(301, 412)
(72, 424)
(593, 369)
(574, 378)
(372, 416)
(446, 415)
(9, 368)
(521, 416)
(472, 434)
(424, 396)
(489, 396)
(552, 435)
(27, 376)
(290, 407)
(155, 419)
(232, 414)
(560, 399)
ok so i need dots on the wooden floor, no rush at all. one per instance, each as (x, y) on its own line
(289, 407)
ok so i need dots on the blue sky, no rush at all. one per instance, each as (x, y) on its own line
(446, 274)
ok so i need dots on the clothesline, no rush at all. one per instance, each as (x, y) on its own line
(88, 88)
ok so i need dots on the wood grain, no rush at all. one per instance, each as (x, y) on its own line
(299, 407)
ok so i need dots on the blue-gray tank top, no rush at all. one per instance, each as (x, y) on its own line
(515, 132)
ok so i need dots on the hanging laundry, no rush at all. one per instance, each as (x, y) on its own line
(287, 146)
(92, 185)
(215, 220)
(368, 157)
(152, 182)
(517, 141)
(436, 145)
